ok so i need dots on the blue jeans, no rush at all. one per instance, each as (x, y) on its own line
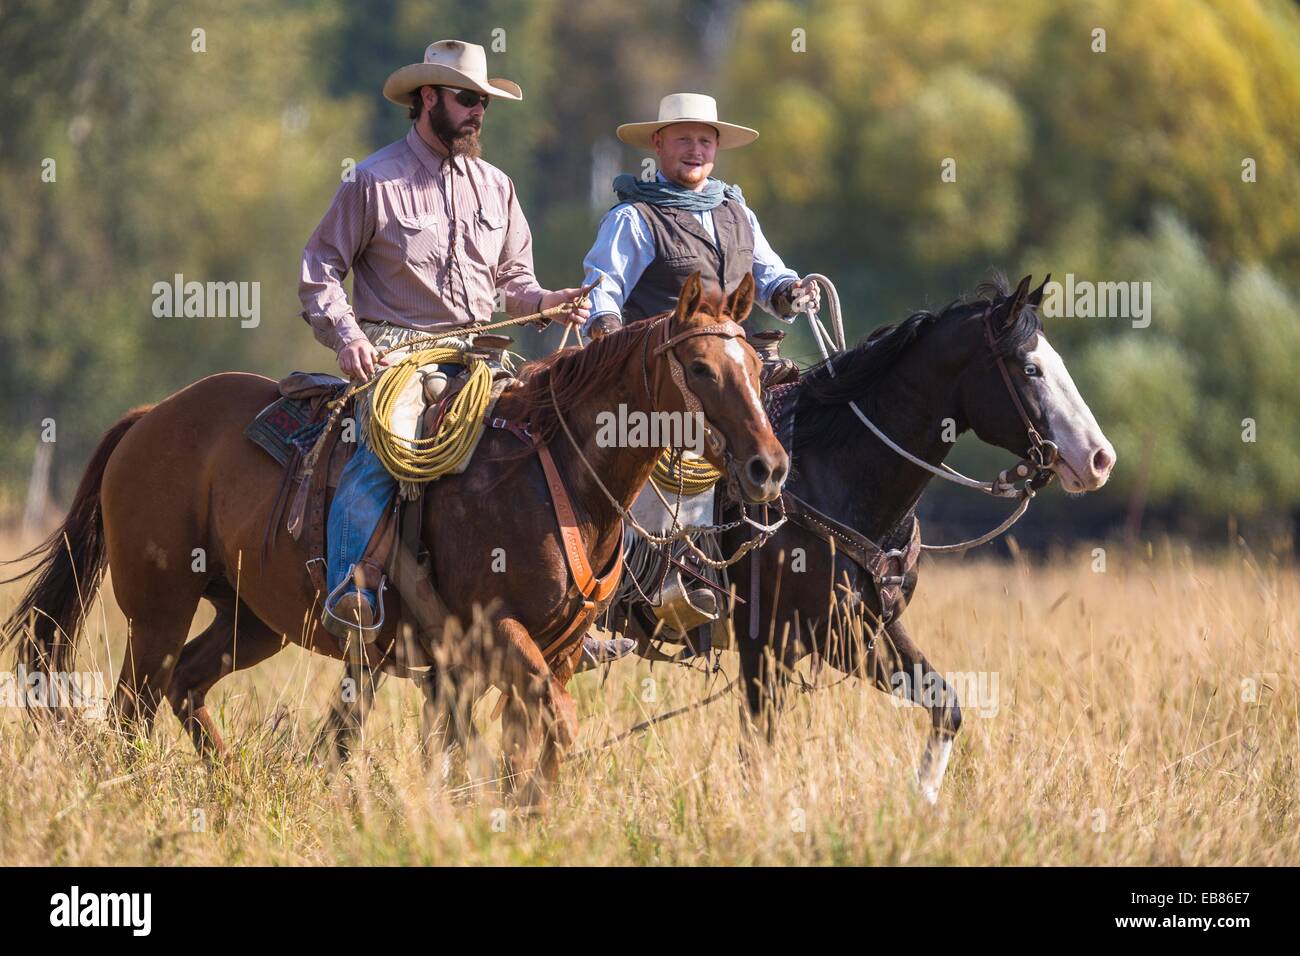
(366, 490)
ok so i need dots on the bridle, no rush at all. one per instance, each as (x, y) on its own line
(727, 328)
(1034, 469)
(1042, 453)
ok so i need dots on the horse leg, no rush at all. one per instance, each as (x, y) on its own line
(348, 712)
(221, 649)
(765, 673)
(767, 656)
(906, 673)
(357, 692)
(536, 702)
(554, 740)
(447, 714)
(434, 736)
(764, 677)
(156, 631)
(152, 532)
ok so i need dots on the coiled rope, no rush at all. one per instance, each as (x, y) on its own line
(678, 474)
(421, 460)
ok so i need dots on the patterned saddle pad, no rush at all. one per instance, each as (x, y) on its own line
(294, 420)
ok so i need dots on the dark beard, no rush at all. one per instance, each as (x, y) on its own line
(459, 142)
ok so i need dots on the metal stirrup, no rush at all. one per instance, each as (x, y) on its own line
(332, 598)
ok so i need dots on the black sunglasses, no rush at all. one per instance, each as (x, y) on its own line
(467, 98)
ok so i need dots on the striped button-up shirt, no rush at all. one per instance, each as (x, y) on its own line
(430, 241)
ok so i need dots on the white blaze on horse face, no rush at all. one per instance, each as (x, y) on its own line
(736, 352)
(1086, 456)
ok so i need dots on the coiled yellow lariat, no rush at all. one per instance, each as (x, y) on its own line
(421, 460)
(690, 476)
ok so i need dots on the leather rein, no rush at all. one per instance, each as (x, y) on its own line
(727, 329)
(592, 590)
(888, 568)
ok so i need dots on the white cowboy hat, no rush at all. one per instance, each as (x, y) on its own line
(452, 63)
(687, 108)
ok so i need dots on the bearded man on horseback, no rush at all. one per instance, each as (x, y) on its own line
(434, 237)
(684, 221)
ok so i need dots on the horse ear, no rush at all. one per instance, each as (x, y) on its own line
(1036, 297)
(742, 300)
(688, 302)
(1016, 301)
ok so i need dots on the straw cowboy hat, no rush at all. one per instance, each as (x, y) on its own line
(452, 63)
(687, 108)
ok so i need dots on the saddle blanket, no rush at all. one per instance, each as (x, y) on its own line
(293, 422)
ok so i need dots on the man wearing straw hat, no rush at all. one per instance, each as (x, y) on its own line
(649, 244)
(681, 222)
(432, 235)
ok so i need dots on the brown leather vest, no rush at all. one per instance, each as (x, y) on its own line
(682, 246)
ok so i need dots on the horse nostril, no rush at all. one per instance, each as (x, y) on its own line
(779, 473)
(1102, 460)
(758, 470)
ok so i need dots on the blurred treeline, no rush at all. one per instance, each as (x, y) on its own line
(1123, 165)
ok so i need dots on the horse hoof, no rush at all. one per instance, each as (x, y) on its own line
(531, 799)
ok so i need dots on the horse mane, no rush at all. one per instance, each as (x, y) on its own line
(858, 371)
(576, 374)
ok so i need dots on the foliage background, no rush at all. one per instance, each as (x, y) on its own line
(1122, 165)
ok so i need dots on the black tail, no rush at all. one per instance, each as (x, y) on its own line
(48, 619)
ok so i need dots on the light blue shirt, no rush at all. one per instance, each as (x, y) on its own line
(625, 247)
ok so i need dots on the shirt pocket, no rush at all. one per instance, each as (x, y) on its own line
(416, 237)
(485, 235)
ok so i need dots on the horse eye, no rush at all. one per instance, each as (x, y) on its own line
(1031, 370)
(701, 368)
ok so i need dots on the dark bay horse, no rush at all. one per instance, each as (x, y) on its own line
(908, 380)
(179, 480)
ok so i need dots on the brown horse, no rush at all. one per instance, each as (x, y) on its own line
(179, 482)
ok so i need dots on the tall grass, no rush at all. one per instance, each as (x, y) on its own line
(1144, 714)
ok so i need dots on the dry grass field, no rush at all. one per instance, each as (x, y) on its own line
(1145, 715)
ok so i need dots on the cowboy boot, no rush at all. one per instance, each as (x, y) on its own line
(596, 651)
(352, 622)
